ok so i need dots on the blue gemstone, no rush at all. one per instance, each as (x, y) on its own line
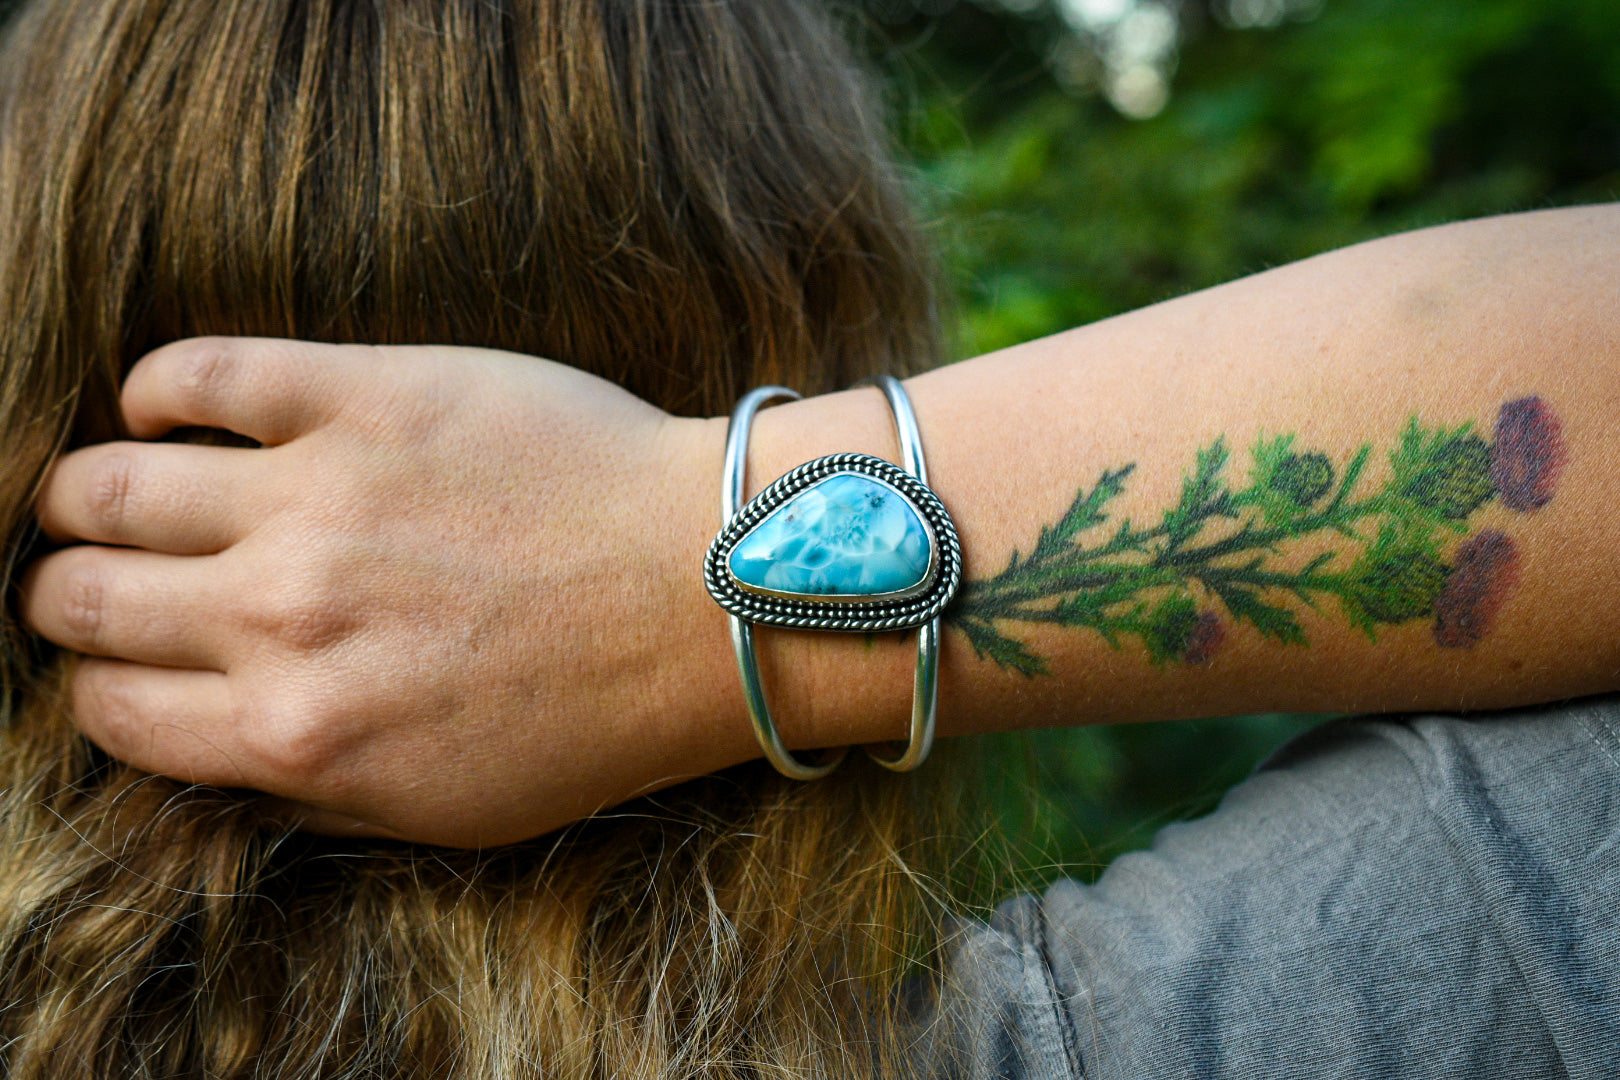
(846, 536)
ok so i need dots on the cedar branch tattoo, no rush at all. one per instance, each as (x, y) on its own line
(1220, 557)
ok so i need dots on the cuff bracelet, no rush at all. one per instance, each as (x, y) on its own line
(845, 542)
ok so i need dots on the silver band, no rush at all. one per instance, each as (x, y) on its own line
(742, 633)
(948, 556)
(925, 682)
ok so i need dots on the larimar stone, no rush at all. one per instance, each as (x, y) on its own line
(846, 536)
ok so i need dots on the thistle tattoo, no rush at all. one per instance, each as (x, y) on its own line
(1226, 556)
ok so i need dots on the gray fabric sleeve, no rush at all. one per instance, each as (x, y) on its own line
(1428, 897)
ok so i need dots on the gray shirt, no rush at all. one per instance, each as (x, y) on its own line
(1432, 896)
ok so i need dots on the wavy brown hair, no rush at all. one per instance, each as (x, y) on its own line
(688, 198)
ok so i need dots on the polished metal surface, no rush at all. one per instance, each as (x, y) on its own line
(915, 607)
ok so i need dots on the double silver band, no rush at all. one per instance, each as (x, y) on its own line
(926, 681)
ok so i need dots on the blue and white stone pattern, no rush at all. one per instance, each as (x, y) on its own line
(848, 536)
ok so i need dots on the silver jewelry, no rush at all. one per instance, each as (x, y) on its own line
(845, 542)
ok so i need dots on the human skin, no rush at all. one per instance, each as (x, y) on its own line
(456, 598)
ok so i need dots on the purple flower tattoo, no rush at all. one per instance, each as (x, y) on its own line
(1204, 639)
(1485, 571)
(1528, 455)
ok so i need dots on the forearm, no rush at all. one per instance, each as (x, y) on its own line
(455, 596)
(1342, 352)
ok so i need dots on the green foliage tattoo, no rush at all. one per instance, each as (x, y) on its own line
(1228, 555)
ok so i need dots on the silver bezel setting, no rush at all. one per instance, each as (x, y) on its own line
(913, 607)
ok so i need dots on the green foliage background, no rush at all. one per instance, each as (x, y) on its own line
(1291, 127)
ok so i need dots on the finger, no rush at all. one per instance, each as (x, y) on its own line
(162, 720)
(168, 497)
(305, 818)
(269, 390)
(131, 605)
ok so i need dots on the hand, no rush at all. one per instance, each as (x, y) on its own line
(442, 601)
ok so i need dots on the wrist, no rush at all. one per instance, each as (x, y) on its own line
(824, 688)
(702, 697)
(829, 688)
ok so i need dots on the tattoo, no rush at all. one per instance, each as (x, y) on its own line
(1301, 530)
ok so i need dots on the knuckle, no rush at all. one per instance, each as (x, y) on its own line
(105, 707)
(205, 369)
(297, 741)
(84, 597)
(308, 620)
(107, 490)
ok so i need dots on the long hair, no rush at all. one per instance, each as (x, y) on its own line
(687, 198)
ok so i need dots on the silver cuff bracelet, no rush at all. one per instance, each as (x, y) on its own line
(845, 542)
